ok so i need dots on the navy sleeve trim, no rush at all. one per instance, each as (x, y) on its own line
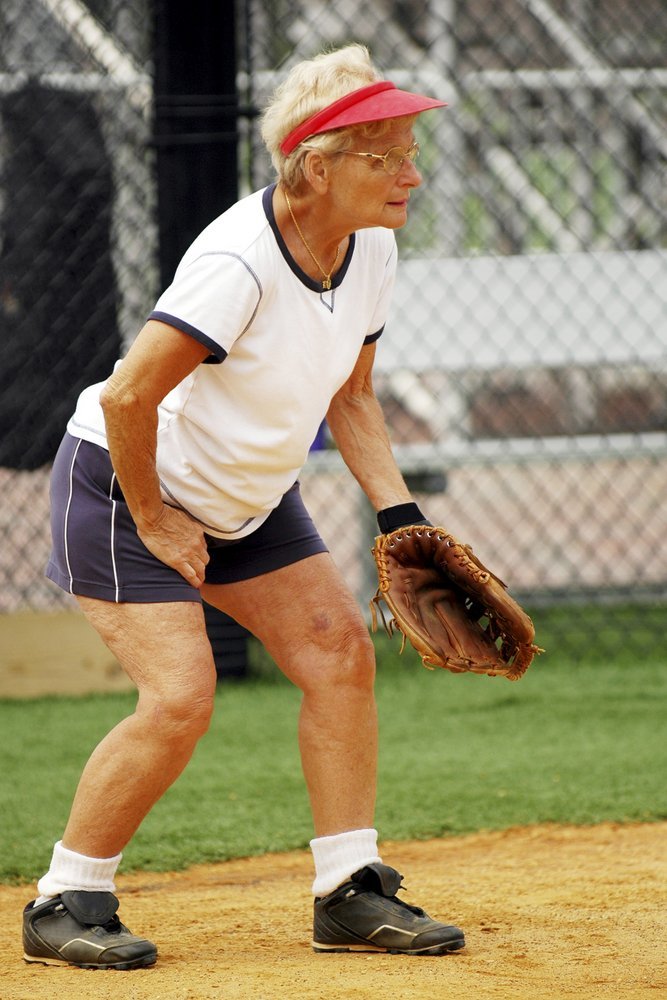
(372, 337)
(219, 353)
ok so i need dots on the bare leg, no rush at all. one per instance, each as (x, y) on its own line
(310, 624)
(165, 651)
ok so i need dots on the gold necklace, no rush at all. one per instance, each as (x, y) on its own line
(326, 278)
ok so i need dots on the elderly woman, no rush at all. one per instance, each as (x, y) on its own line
(178, 479)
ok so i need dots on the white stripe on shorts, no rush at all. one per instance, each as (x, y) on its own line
(69, 504)
(113, 537)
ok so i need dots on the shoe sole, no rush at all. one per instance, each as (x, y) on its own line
(138, 963)
(438, 949)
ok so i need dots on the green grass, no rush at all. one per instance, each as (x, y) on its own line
(572, 742)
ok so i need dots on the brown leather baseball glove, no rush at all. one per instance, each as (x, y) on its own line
(454, 611)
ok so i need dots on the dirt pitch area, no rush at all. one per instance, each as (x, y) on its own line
(549, 912)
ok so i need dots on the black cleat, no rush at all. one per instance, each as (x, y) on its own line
(81, 928)
(365, 915)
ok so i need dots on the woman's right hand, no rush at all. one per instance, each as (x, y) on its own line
(175, 539)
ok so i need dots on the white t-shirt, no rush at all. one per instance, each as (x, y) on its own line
(235, 433)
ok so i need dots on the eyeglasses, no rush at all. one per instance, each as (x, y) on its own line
(392, 160)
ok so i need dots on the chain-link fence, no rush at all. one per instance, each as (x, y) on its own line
(524, 368)
(77, 241)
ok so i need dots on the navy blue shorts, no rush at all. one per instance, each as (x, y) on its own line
(98, 553)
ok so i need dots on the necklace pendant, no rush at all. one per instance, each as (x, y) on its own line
(326, 284)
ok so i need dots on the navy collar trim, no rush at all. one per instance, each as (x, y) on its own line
(315, 286)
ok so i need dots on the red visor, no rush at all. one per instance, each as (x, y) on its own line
(368, 104)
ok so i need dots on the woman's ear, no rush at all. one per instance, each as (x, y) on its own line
(317, 170)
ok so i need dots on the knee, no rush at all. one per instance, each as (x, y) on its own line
(359, 655)
(346, 657)
(181, 716)
(193, 717)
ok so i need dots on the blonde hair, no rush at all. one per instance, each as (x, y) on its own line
(310, 86)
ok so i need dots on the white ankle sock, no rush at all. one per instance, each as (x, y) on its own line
(70, 870)
(339, 856)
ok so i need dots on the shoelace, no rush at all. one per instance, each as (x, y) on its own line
(112, 926)
(417, 910)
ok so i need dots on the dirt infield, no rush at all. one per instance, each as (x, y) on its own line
(549, 912)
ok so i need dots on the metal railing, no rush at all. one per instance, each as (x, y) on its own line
(524, 368)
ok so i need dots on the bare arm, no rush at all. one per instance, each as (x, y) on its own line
(158, 360)
(358, 427)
